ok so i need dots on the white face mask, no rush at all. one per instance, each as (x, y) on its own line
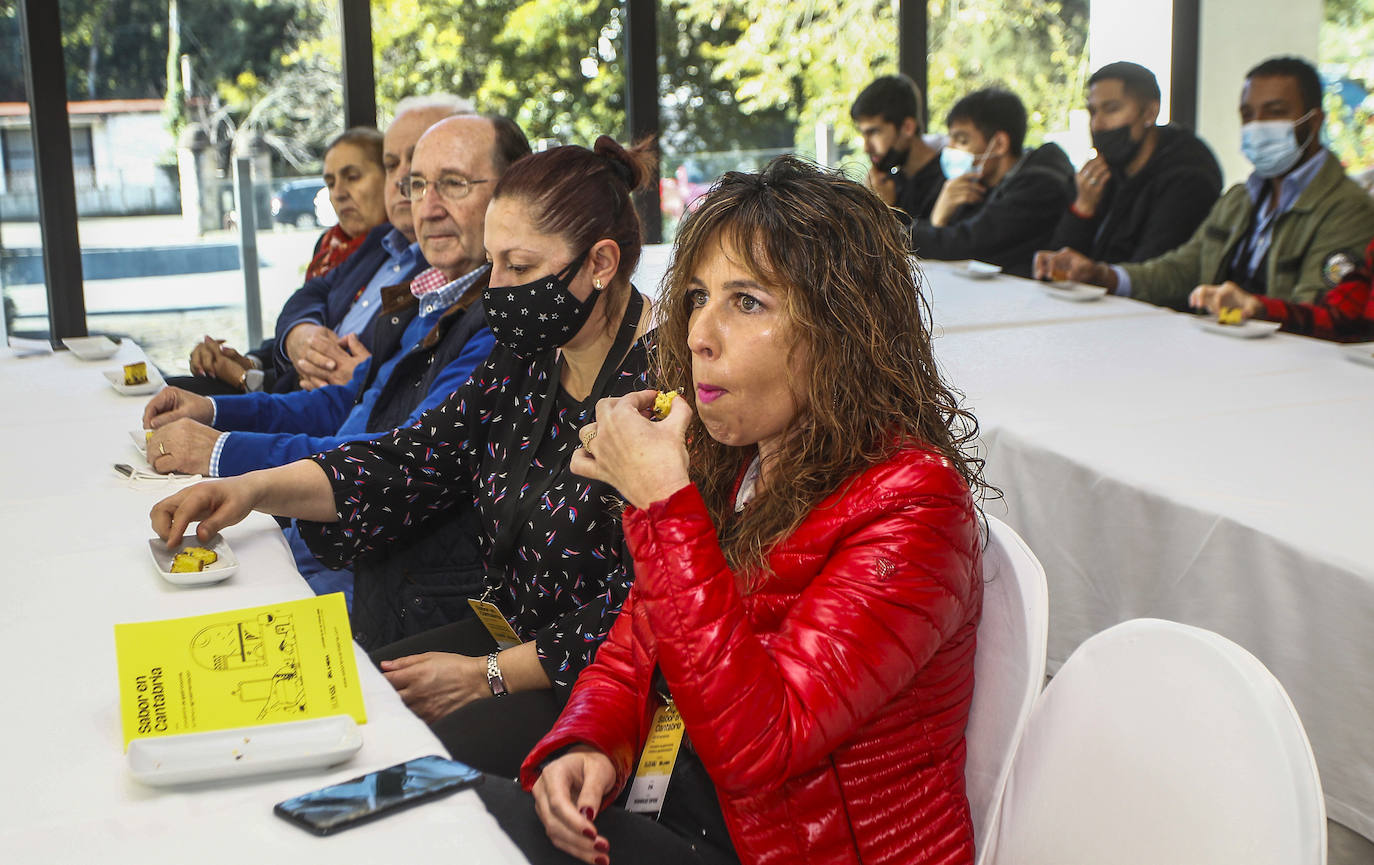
(956, 163)
(1272, 145)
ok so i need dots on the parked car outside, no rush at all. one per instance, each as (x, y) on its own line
(294, 203)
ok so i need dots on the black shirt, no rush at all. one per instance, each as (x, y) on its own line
(564, 582)
(916, 194)
(1152, 212)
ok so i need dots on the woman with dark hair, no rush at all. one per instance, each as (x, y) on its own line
(563, 237)
(807, 557)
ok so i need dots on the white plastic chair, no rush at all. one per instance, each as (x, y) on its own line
(1008, 669)
(1164, 744)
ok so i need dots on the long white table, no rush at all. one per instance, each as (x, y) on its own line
(1160, 470)
(73, 543)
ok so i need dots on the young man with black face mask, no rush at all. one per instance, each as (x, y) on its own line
(1270, 236)
(1149, 186)
(906, 170)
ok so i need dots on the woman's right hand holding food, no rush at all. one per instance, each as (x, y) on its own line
(173, 403)
(568, 796)
(214, 504)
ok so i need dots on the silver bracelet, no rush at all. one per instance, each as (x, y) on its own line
(494, 680)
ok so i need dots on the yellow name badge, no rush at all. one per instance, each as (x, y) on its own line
(656, 763)
(495, 623)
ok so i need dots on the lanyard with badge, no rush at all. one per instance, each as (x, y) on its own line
(515, 508)
(656, 761)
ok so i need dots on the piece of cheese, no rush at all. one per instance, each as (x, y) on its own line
(193, 559)
(1230, 315)
(186, 563)
(135, 373)
(663, 403)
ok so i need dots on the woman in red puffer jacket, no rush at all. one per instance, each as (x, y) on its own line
(806, 549)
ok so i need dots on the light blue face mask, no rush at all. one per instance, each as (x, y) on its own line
(1272, 145)
(956, 163)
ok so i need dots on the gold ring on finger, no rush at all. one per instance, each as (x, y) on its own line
(162, 448)
(587, 439)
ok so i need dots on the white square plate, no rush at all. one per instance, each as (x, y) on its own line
(977, 270)
(1075, 292)
(188, 758)
(91, 347)
(140, 437)
(220, 570)
(116, 379)
(1362, 354)
(1248, 329)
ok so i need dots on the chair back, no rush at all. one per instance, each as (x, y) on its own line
(1008, 669)
(1160, 743)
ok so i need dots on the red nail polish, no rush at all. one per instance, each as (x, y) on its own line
(589, 813)
(601, 846)
(602, 860)
(590, 833)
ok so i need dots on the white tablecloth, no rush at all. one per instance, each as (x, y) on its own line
(1160, 470)
(73, 542)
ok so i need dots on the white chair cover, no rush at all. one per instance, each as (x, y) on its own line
(1162, 744)
(1008, 669)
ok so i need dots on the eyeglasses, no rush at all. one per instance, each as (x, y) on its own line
(449, 188)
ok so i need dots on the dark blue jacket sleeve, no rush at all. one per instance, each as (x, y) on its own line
(309, 303)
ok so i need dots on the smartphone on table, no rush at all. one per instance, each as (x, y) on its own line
(349, 803)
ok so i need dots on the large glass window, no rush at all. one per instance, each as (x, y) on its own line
(555, 67)
(1034, 48)
(1348, 72)
(22, 291)
(163, 97)
(746, 80)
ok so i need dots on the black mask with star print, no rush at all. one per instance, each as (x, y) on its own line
(539, 315)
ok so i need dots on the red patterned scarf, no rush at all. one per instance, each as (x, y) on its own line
(332, 249)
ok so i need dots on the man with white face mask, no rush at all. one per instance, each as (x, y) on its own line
(1001, 201)
(1270, 237)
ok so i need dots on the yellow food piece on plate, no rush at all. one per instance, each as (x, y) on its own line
(663, 403)
(193, 559)
(148, 436)
(1230, 315)
(135, 373)
(209, 557)
(186, 563)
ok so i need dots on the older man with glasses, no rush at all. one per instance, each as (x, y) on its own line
(323, 331)
(430, 335)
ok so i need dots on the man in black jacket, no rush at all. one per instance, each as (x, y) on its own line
(1147, 189)
(905, 170)
(1000, 203)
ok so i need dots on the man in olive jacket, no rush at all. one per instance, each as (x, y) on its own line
(1270, 235)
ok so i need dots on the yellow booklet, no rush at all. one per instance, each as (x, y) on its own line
(239, 668)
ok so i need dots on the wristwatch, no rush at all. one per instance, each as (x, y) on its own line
(494, 680)
(251, 380)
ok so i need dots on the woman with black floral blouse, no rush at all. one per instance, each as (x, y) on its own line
(563, 238)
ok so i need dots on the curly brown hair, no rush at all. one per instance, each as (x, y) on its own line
(850, 291)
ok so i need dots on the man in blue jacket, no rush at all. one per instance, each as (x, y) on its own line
(430, 335)
(311, 347)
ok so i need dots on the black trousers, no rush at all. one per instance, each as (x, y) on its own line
(493, 735)
(203, 385)
(634, 838)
